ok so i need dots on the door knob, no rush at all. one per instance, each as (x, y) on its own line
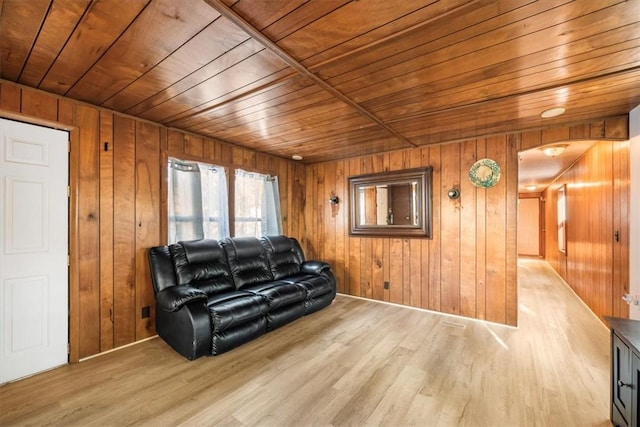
(623, 384)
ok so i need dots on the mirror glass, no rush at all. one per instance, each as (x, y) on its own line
(391, 203)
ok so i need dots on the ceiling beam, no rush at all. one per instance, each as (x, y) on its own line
(238, 20)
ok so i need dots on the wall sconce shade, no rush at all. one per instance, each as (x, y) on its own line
(453, 193)
(334, 200)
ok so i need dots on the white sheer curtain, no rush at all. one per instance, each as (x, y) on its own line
(257, 204)
(198, 202)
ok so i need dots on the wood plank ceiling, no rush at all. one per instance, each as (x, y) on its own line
(329, 79)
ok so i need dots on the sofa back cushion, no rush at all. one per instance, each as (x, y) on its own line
(247, 261)
(203, 265)
(284, 254)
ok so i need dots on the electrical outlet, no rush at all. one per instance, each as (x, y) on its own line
(146, 312)
(386, 284)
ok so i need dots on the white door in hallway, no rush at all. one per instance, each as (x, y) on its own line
(34, 287)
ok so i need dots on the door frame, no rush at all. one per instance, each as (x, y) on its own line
(74, 290)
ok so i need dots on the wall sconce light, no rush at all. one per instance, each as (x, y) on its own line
(453, 193)
(334, 199)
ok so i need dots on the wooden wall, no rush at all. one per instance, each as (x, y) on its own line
(117, 211)
(596, 264)
(468, 267)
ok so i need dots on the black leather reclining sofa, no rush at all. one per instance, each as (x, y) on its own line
(214, 296)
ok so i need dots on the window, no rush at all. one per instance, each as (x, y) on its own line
(197, 201)
(257, 207)
(199, 207)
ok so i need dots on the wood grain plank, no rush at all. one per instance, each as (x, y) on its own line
(103, 24)
(176, 143)
(451, 237)
(496, 221)
(124, 230)
(511, 178)
(137, 48)
(147, 221)
(198, 52)
(467, 206)
(546, 30)
(20, 23)
(425, 258)
(66, 111)
(482, 240)
(376, 266)
(40, 105)
(61, 19)
(10, 97)
(194, 146)
(340, 212)
(88, 229)
(320, 224)
(107, 264)
(412, 295)
(434, 273)
(354, 271)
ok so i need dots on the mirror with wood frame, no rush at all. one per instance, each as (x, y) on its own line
(391, 203)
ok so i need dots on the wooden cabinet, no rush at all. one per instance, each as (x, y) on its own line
(625, 371)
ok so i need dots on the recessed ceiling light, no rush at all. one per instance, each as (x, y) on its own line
(297, 157)
(552, 112)
(530, 187)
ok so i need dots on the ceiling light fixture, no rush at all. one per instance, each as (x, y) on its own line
(297, 157)
(552, 112)
(530, 187)
(554, 150)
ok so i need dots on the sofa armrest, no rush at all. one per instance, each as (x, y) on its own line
(314, 267)
(174, 297)
(187, 330)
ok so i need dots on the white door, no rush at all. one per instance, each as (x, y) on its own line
(33, 257)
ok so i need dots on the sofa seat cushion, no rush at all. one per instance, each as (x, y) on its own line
(314, 285)
(278, 293)
(235, 308)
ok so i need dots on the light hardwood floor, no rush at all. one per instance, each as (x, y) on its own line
(355, 363)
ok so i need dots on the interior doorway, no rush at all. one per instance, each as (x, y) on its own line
(530, 229)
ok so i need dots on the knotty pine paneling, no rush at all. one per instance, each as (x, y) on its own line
(88, 189)
(595, 265)
(124, 245)
(117, 208)
(106, 231)
(621, 201)
(463, 269)
(147, 223)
